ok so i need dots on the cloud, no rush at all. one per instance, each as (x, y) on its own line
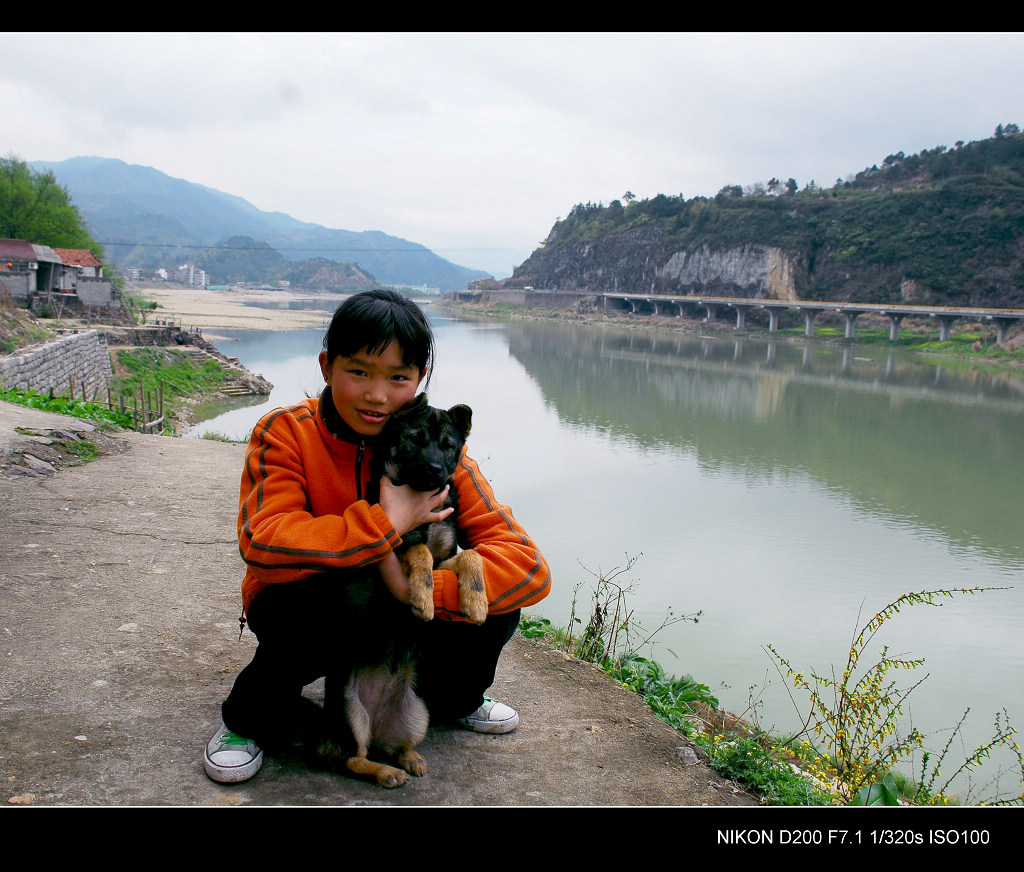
(466, 142)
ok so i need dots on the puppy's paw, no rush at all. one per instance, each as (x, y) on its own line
(469, 566)
(421, 599)
(384, 775)
(332, 753)
(413, 763)
(388, 776)
(420, 567)
(473, 604)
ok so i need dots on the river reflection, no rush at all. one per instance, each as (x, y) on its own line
(782, 488)
(931, 442)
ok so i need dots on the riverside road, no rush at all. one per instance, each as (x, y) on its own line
(119, 602)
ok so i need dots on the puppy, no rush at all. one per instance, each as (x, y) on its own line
(420, 446)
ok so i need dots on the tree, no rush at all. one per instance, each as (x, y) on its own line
(629, 196)
(729, 192)
(34, 206)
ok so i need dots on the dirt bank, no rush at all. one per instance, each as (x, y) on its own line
(240, 310)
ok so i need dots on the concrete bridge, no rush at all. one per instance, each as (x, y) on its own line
(810, 309)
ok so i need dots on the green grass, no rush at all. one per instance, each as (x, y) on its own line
(173, 367)
(83, 451)
(97, 412)
(182, 377)
(747, 760)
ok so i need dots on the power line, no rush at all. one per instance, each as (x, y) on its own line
(257, 247)
(419, 249)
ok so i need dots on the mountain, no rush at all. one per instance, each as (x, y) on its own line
(943, 227)
(147, 219)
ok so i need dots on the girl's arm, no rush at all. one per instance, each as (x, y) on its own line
(299, 505)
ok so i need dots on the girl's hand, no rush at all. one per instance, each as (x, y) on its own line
(393, 575)
(408, 509)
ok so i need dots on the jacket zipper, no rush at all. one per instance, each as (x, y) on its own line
(359, 470)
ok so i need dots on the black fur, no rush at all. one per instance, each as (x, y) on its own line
(420, 446)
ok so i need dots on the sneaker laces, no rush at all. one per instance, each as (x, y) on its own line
(232, 738)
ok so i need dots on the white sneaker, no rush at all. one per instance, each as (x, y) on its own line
(230, 758)
(491, 717)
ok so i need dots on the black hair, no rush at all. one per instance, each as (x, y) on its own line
(373, 320)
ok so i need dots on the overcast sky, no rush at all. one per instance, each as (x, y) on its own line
(474, 144)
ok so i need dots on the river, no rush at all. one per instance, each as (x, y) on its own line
(784, 489)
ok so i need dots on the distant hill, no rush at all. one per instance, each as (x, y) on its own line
(943, 227)
(147, 219)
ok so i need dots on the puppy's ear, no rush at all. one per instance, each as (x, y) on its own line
(462, 417)
(416, 406)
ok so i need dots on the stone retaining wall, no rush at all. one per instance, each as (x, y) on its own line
(82, 356)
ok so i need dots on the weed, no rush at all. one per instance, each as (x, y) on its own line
(747, 760)
(612, 632)
(855, 719)
(214, 436)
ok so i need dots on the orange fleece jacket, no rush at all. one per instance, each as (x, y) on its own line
(301, 512)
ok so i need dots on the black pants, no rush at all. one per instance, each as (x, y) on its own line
(301, 628)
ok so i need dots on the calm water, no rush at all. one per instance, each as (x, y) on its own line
(780, 488)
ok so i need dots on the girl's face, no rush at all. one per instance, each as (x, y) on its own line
(368, 388)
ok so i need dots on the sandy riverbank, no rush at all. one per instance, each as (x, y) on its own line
(240, 310)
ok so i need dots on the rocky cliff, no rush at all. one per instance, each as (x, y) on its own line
(941, 228)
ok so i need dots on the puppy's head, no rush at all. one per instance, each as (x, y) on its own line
(422, 444)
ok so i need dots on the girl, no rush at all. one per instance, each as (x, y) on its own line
(303, 521)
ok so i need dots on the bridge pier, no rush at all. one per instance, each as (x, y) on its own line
(712, 310)
(773, 320)
(741, 318)
(945, 326)
(1002, 325)
(850, 318)
(894, 327)
(809, 316)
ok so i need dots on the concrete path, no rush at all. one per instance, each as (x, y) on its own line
(119, 602)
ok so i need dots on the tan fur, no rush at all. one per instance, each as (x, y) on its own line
(384, 711)
(469, 567)
(419, 567)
